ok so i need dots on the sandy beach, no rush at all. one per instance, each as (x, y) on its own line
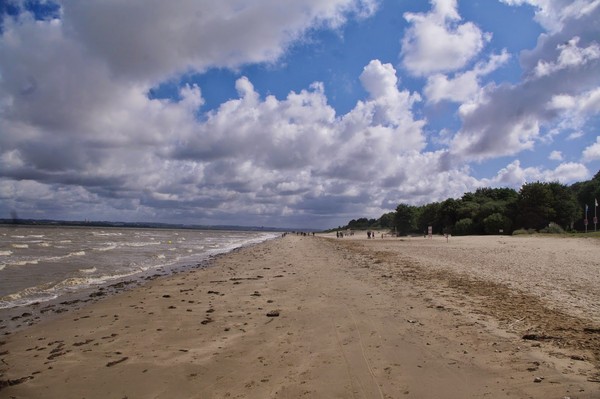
(320, 317)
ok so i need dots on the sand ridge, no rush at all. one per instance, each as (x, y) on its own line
(293, 317)
(469, 271)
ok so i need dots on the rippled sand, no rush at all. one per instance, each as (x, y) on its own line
(563, 272)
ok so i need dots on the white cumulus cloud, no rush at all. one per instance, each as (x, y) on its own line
(438, 42)
(510, 118)
(592, 153)
(570, 56)
(514, 175)
(80, 135)
(464, 86)
(552, 14)
(555, 156)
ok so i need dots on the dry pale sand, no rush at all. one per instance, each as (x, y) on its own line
(325, 318)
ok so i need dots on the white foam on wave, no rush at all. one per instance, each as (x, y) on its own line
(6, 253)
(88, 271)
(20, 246)
(140, 244)
(69, 255)
(108, 247)
(6, 303)
(105, 234)
(73, 283)
(30, 236)
(24, 262)
(27, 296)
(35, 261)
(49, 291)
(243, 241)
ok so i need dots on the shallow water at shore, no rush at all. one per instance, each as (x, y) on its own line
(39, 264)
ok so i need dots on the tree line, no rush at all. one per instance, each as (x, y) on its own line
(538, 206)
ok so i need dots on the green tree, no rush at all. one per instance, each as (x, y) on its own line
(448, 214)
(535, 205)
(404, 220)
(358, 224)
(488, 210)
(496, 222)
(587, 193)
(463, 227)
(467, 209)
(565, 205)
(495, 194)
(429, 216)
(470, 209)
(386, 220)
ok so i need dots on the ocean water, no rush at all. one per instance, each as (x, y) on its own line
(39, 264)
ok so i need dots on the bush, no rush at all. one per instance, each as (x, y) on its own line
(463, 227)
(552, 228)
(496, 222)
(524, 231)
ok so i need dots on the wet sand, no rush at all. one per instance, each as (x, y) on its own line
(319, 317)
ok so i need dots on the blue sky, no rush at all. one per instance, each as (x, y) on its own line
(300, 113)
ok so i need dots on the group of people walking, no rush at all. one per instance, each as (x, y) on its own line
(370, 234)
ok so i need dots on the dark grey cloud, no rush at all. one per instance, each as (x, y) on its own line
(153, 39)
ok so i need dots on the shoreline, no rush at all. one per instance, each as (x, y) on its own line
(21, 317)
(296, 316)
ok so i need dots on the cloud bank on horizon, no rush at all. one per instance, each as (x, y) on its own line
(289, 113)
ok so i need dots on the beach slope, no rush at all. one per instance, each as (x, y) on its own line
(295, 317)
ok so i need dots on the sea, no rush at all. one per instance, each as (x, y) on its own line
(42, 263)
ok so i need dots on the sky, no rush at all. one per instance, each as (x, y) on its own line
(289, 113)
